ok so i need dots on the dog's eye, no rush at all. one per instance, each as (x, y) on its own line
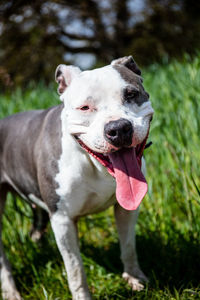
(85, 107)
(130, 94)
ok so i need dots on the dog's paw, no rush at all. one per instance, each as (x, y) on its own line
(11, 295)
(36, 235)
(135, 282)
(82, 295)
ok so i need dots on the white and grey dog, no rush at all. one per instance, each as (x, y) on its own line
(71, 159)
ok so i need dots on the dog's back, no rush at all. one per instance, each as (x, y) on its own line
(20, 148)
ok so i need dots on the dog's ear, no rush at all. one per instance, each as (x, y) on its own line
(128, 62)
(64, 76)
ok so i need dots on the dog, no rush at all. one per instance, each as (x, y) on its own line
(70, 161)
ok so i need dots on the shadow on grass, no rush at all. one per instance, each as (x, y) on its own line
(172, 265)
(175, 265)
(31, 267)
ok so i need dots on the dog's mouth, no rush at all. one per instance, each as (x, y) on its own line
(125, 166)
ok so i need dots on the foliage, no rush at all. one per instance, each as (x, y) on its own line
(168, 227)
(36, 36)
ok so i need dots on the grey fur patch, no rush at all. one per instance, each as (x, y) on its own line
(134, 82)
(29, 150)
(128, 62)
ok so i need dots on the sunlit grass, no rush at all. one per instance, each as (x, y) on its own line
(168, 227)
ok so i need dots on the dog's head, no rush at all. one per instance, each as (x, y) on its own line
(107, 109)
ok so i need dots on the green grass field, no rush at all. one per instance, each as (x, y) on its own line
(168, 229)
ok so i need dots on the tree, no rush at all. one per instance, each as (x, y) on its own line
(38, 35)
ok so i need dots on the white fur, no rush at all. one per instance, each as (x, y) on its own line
(103, 96)
(66, 237)
(86, 179)
(84, 185)
(8, 287)
(38, 202)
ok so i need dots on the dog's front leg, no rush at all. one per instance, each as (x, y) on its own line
(65, 231)
(126, 221)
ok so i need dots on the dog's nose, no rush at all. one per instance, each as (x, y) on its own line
(119, 132)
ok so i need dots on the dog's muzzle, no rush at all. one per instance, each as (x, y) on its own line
(119, 133)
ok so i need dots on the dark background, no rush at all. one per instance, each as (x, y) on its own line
(36, 36)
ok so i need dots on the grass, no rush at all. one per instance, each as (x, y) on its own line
(168, 229)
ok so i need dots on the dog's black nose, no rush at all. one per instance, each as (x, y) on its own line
(119, 133)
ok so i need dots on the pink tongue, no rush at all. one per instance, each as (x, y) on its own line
(131, 184)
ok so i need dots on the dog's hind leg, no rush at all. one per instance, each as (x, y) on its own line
(8, 288)
(40, 221)
(126, 221)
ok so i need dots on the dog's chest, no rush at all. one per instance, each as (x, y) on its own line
(84, 185)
